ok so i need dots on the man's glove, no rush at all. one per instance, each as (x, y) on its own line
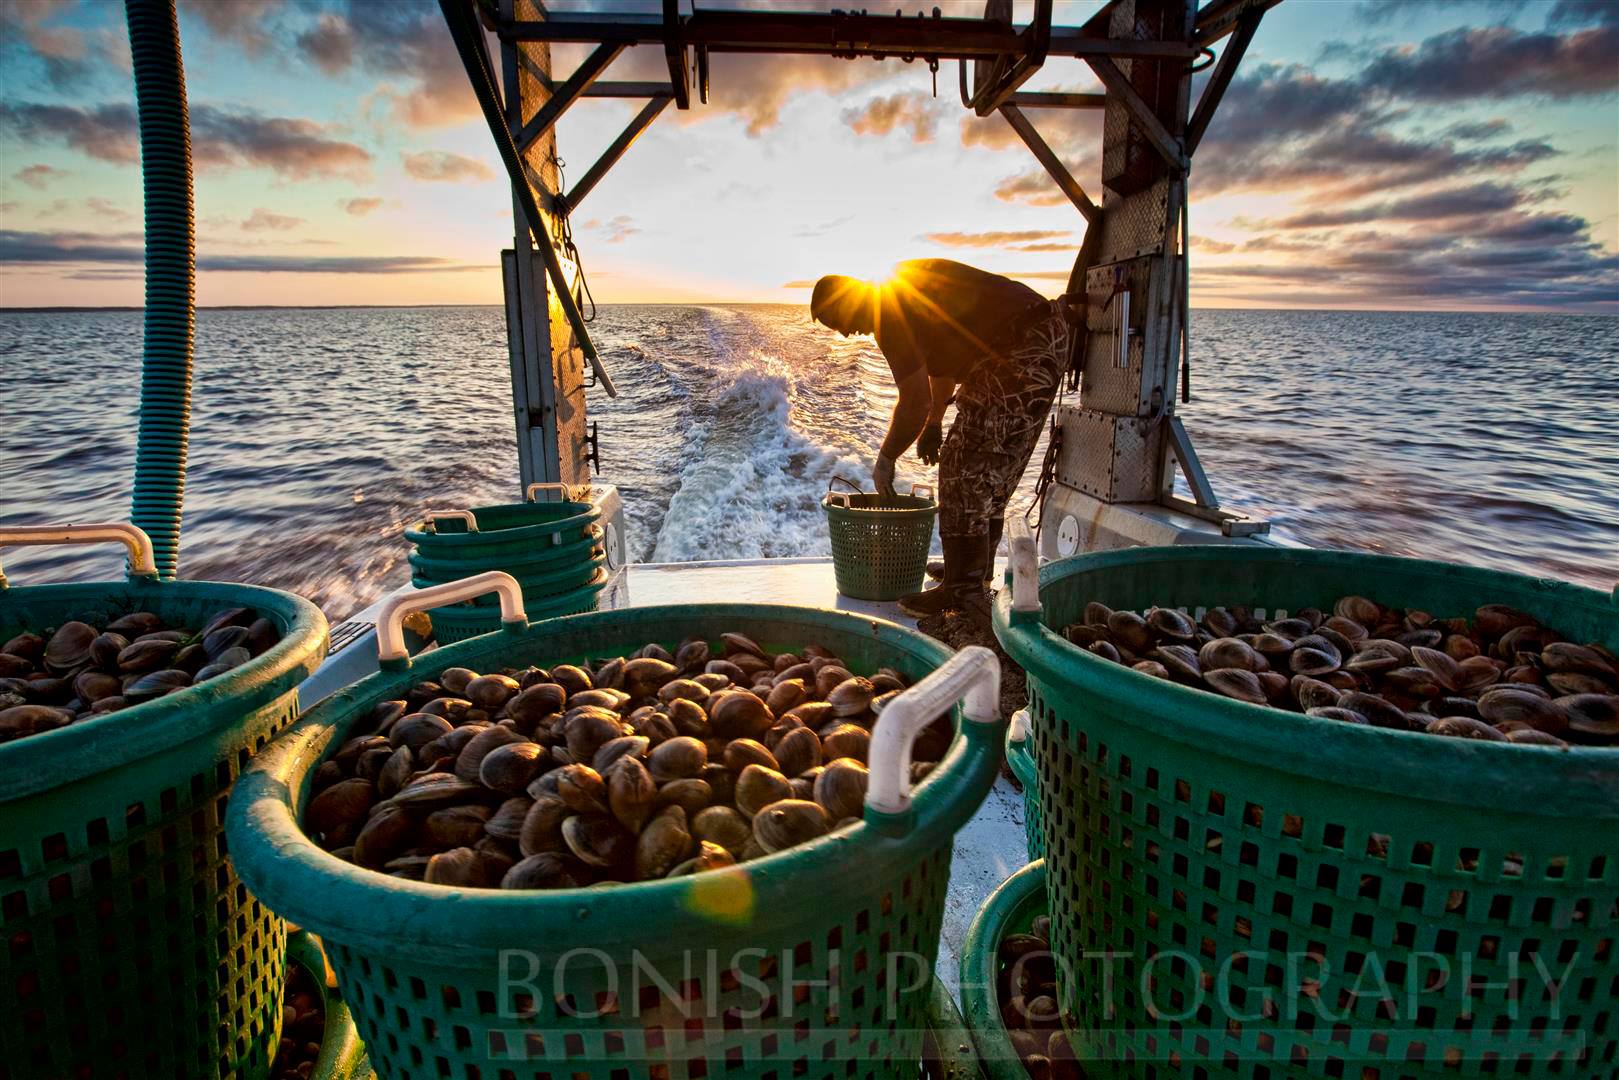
(927, 447)
(882, 476)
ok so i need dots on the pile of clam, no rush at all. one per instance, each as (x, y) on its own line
(628, 769)
(303, 1026)
(75, 670)
(1501, 676)
(1026, 989)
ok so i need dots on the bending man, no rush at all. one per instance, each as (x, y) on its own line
(1001, 349)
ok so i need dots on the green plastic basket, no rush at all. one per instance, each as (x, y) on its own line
(1020, 759)
(1010, 909)
(1198, 845)
(463, 621)
(341, 1052)
(538, 561)
(506, 530)
(813, 962)
(538, 588)
(131, 947)
(947, 1048)
(880, 542)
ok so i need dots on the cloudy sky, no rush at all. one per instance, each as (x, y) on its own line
(1382, 154)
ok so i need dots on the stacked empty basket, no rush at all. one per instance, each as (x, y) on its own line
(1237, 891)
(553, 549)
(880, 542)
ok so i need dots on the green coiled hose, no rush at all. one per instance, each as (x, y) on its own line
(160, 453)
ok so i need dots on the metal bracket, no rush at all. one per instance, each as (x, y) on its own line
(1036, 38)
(1052, 163)
(1220, 78)
(563, 97)
(649, 112)
(1167, 145)
(1180, 443)
(593, 456)
(674, 50)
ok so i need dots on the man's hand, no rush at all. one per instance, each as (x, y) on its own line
(927, 447)
(882, 476)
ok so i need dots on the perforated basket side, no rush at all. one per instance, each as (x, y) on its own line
(1245, 880)
(1010, 909)
(880, 552)
(129, 938)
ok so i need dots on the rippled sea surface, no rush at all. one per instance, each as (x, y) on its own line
(318, 434)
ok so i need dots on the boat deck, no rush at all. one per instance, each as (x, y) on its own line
(988, 849)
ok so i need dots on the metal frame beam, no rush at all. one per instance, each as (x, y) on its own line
(674, 50)
(1167, 145)
(843, 34)
(610, 156)
(1036, 40)
(621, 89)
(1040, 100)
(1219, 18)
(566, 94)
(1220, 78)
(1052, 163)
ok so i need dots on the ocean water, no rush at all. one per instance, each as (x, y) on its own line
(318, 434)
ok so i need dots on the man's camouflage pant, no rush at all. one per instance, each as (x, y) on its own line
(1001, 409)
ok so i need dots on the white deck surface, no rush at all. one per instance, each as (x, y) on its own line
(988, 850)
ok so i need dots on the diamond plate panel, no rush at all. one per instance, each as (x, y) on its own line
(1106, 387)
(1106, 456)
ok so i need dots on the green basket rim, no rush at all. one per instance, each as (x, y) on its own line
(913, 506)
(364, 909)
(459, 567)
(980, 951)
(87, 747)
(1020, 759)
(1579, 782)
(340, 1047)
(551, 606)
(530, 582)
(581, 515)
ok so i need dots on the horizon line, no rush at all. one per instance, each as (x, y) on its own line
(77, 308)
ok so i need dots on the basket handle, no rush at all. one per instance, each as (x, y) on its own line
(1018, 730)
(142, 562)
(563, 494)
(1025, 568)
(918, 489)
(973, 677)
(457, 515)
(391, 619)
(850, 484)
(838, 498)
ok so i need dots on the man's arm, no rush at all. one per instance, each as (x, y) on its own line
(910, 415)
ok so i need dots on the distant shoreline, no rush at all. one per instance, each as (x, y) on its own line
(768, 303)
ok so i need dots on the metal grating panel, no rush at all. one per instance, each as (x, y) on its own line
(1107, 456)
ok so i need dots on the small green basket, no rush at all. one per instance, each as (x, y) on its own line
(341, 1052)
(1010, 909)
(814, 962)
(507, 530)
(880, 543)
(1279, 895)
(538, 561)
(1020, 759)
(131, 949)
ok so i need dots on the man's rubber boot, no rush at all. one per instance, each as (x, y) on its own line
(935, 567)
(974, 599)
(962, 558)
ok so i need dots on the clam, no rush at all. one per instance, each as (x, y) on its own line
(1333, 712)
(788, 693)
(722, 825)
(546, 870)
(597, 840)
(1359, 609)
(137, 623)
(758, 787)
(691, 656)
(738, 714)
(1151, 667)
(830, 675)
(713, 683)
(384, 837)
(1291, 629)
(644, 675)
(469, 762)
(343, 805)
(1313, 693)
(845, 741)
(1502, 703)
(147, 654)
(461, 867)
(689, 689)
(1562, 683)
(1228, 652)
(1465, 727)
(656, 728)
(22, 720)
(511, 767)
(677, 759)
(663, 844)
(1219, 621)
(1129, 630)
(798, 751)
(155, 684)
(1169, 623)
(1237, 683)
(26, 646)
(582, 788)
(572, 679)
(104, 650)
(226, 637)
(688, 717)
(455, 680)
(590, 727)
(631, 793)
(652, 650)
(69, 647)
(541, 829)
(851, 697)
(455, 826)
(91, 686)
(709, 857)
(814, 715)
(1378, 711)
(840, 788)
(1096, 614)
(740, 644)
(535, 703)
(431, 790)
(691, 795)
(788, 822)
(14, 667)
(491, 691)
(1494, 620)
(1529, 736)
(506, 823)
(611, 751)
(1563, 656)
(1591, 718)
(725, 669)
(1180, 661)
(738, 754)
